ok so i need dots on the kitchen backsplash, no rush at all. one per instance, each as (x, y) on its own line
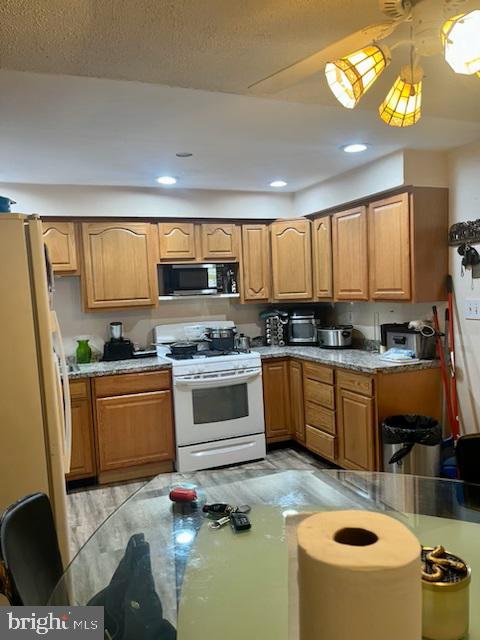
(139, 323)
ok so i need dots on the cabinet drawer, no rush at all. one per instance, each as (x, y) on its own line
(78, 389)
(319, 393)
(355, 382)
(320, 442)
(318, 372)
(122, 384)
(320, 417)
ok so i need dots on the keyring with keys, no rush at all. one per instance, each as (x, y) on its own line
(221, 522)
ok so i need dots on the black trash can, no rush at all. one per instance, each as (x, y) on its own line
(411, 444)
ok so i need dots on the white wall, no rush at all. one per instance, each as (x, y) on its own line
(71, 200)
(362, 314)
(408, 167)
(465, 205)
(138, 323)
(380, 175)
(425, 168)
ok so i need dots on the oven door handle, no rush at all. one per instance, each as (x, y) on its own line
(215, 380)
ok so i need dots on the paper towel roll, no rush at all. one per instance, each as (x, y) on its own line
(359, 578)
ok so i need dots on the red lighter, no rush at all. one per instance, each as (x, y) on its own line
(182, 494)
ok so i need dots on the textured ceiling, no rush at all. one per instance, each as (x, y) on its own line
(71, 129)
(219, 45)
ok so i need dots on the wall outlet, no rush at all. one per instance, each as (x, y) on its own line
(472, 309)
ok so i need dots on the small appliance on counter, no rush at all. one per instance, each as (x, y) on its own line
(302, 328)
(199, 279)
(338, 336)
(117, 348)
(276, 327)
(419, 343)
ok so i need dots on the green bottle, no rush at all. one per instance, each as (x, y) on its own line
(84, 352)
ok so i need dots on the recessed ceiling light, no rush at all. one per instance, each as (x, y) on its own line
(278, 183)
(184, 154)
(355, 148)
(166, 180)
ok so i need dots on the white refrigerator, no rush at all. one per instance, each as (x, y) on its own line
(35, 419)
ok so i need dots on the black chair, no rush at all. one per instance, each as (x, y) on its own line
(29, 552)
(468, 458)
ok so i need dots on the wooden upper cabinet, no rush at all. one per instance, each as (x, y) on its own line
(256, 262)
(219, 241)
(350, 259)
(119, 269)
(389, 248)
(176, 241)
(291, 259)
(322, 258)
(62, 247)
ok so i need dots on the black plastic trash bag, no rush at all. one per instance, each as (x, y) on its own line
(133, 610)
(410, 429)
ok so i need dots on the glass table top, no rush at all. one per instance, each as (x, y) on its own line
(202, 574)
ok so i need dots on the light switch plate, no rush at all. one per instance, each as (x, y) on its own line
(472, 309)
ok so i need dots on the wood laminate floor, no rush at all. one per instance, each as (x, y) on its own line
(89, 508)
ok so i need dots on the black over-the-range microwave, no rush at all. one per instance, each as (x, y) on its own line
(199, 279)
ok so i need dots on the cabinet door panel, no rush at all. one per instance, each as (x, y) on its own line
(322, 258)
(219, 241)
(320, 393)
(292, 260)
(134, 429)
(350, 259)
(355, 416)
(119, 265)
(389, 248)
(256, 262)
(176, 241)
(82, 464)
(321, 443)
(276, 398)
(296, 403)
(319, 417)
(62, 247)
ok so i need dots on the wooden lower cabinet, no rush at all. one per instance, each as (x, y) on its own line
(134, 429)
(276, 396)
(296, 400)
(336, 413)
(82, 464)
(355, 426)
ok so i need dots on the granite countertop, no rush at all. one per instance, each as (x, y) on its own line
(136, 365)
(354, 359)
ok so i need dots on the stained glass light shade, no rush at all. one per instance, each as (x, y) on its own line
(461, 42)
(350, 77)
(403, 105)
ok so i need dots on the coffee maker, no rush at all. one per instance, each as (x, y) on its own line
(117, 348)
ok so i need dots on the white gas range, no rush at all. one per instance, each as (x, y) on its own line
(218, 403)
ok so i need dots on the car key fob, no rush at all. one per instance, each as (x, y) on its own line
(239, 522)
(218, 508)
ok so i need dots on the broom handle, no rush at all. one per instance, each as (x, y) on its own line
(443, 369)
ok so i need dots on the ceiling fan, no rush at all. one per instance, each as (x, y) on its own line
(355, 62)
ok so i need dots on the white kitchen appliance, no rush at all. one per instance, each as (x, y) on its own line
(218, 400)
(35, 424)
